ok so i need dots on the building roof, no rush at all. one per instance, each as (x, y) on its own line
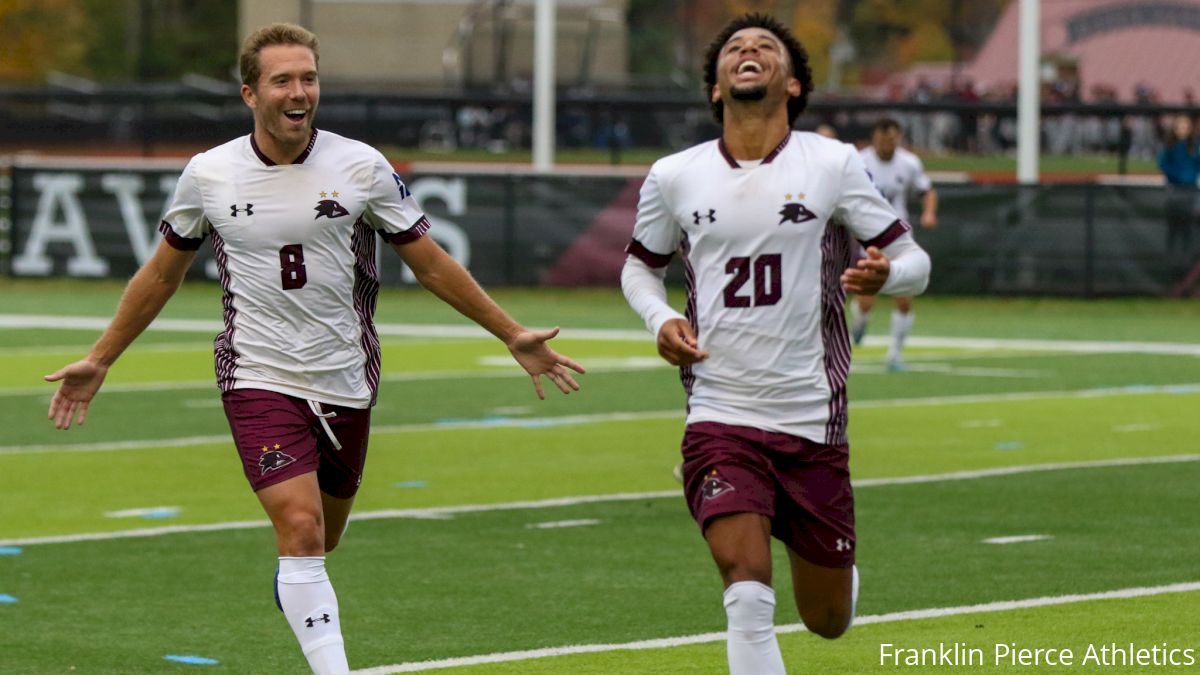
(1117, 43)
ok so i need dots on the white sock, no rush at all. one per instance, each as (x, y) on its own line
(310, 606)
(858, 320)
(853, 596)
(750, 641)
(901, 324)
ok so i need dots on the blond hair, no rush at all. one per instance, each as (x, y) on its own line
(275, 34)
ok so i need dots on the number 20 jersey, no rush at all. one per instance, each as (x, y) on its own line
(295, 252)
(763, 249)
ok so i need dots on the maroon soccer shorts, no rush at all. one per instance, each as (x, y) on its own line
(801, 486)
(280, 437)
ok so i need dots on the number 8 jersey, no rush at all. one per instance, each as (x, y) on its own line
(763, 246)
(295, 252)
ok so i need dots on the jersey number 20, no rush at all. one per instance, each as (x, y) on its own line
(291, 266)
(765, 270)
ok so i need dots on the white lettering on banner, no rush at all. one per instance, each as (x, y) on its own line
(59, 191)
(452, 193)
(127, 187)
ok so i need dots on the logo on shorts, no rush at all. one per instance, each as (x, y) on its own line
(714, 486)
(844, 545)
(273, 459)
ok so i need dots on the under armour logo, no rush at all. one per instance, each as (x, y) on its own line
(712, 216)
(311, 621)
(234, 210)
(844, 545)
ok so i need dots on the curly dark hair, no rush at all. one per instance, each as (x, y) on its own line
(796, 53)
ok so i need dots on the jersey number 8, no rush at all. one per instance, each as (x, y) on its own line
(291, 266)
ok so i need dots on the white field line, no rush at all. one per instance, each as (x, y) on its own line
(437, 512)
(1017, 539)
(893, 617)
(212, 327)
(595, 418)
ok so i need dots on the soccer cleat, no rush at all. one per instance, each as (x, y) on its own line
(895, 365)
(677, 472)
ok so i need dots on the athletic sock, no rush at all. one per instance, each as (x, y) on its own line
(310, 605)
(858, 322)
(750, 640)
(853, 595)
(901, 324)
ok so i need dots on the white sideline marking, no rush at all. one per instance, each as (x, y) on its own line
(434, 512)
(663, 643)
(1133, 428)
(155, 511)
(565, 420)
(1017, 539)
(554, 524)
(211, 327)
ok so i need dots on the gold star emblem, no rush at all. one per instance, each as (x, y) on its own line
(800, 196)
(788, 196)
(277, 446)
(264, 448)
(335, 194)
(322, 194)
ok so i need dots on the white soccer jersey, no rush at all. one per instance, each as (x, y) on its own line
(899, 178)
(763, 249)
(295, 249)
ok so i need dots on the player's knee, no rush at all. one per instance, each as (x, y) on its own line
(829, 622)
(736, 569)
(301, 533)
(750, 609)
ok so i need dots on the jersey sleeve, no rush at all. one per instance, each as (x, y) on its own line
(391, 210)
(184, 224)
(920, 182)
(655, 233)
(867, 215)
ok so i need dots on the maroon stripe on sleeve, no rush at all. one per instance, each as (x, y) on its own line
(636, 249)
(176, 241)
(892, 233)
(408, 236)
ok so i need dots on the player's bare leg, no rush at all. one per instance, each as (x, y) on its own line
(825, 596)
(302, 585)
(741, 546)
(902, 321)
(337, 517)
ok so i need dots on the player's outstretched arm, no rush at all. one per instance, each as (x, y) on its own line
(445, 278)
(144, 297)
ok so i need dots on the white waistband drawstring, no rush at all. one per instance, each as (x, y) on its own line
(316, 408)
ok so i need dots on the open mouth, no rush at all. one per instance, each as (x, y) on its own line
(295, 115)
(749, 67)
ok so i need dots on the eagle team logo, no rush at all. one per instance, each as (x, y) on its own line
(330, 209)
(714, 486)
(273, 459)
(795, 212)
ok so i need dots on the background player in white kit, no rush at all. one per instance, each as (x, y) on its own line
(762, 219)
(293, 216)
(899, 175)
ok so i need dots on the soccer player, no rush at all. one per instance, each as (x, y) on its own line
(762, 218)
(293, 213)
(898, 174)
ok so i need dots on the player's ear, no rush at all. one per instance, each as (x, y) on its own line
(794, 88)
(248, 96)
(714, 94)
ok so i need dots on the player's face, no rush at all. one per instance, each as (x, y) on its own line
(885, 142)
(753, 65)
(284, 99)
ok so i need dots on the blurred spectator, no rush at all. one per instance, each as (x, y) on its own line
(1179, 161)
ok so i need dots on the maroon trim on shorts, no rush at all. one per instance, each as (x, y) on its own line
(177, 241)
(638, 250)
(892, 233)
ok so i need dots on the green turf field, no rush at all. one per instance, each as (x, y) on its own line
(496, 533)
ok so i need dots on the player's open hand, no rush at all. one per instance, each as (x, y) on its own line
(869, 274)
(79, 382)
(677, 343)
(530, 350)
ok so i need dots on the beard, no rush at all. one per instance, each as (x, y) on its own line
(754, 93)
